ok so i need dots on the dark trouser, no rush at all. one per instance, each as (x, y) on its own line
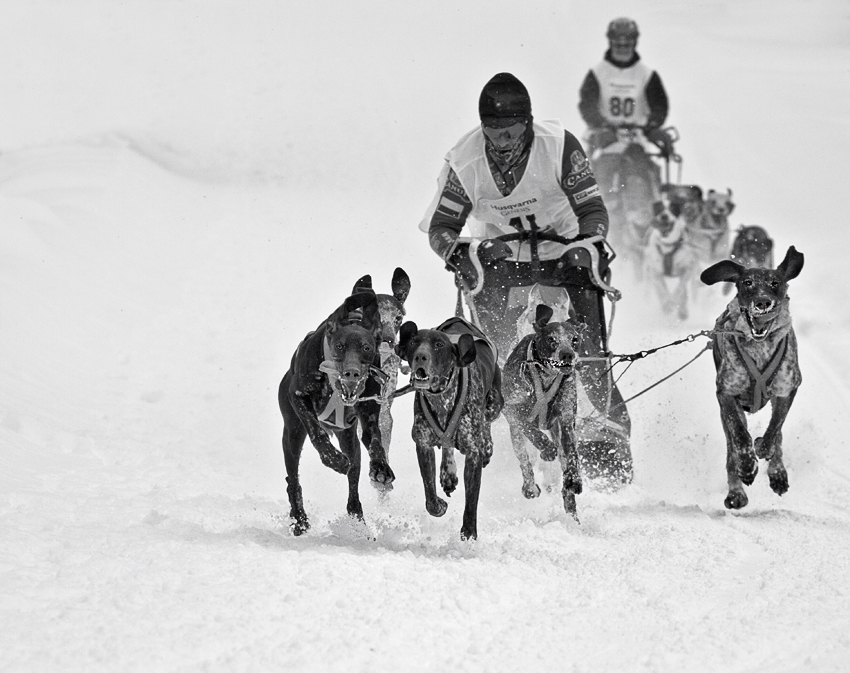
(498, 318)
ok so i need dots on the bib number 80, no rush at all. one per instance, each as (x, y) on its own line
(621, 107)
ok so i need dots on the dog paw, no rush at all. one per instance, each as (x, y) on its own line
(736, 500)
(436, 507)
(763, 451)
(572, 485)
(468, 534)
(449, 481)
(531, 490)
(778, 480)
(381, 473)
(748, 468)
(299, 526)
(570, 505)
(548, 452)
(336, 460)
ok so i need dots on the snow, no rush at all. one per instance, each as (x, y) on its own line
(187, 188)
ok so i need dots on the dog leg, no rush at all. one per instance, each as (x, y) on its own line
(568, 454)
(448, 471)
(530, 489)
(434, 505)
(770, 446)
(741, 463)
(380, 473)
(294, 435)
(351, 447)
(293, 441)
(472, 488)
(336, 460)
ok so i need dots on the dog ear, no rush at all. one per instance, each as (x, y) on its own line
(465, 350)
(364, 284)
(405, 334)
(400, 284)
(724, 270)
(542, 315)
(791, 266)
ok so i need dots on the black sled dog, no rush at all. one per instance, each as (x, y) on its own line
(330, 388)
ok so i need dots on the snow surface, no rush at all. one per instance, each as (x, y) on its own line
(187, 188)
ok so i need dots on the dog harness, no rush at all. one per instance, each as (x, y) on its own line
(761, 379)
(446, 436)
(540, 410)
(333, 415)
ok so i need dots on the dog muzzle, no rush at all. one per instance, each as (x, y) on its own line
(760, 319)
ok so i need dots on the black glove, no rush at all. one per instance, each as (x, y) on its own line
(459, 257)
(659, 138)
(493, 250)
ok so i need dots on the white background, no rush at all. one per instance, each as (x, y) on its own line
(187, 188)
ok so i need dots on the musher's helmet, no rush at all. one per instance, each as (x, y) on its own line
(504, 108)
(622, 28)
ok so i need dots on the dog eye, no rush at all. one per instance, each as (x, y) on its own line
(774, 284)
(339, 347)
(748, 282)
(438, 344)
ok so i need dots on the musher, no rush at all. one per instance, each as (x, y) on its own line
(513, 174)
(621, 91)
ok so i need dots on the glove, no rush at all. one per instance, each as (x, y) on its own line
(493, 250)
(659, 138)
(458, 257)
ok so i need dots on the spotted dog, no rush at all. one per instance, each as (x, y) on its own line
(330, 389)
(539, 387)
(391, 310)
(669, 264)
(755, 353)
(455, 373)
(709, 232)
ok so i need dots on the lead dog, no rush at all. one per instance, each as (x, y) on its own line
(391, 312)
(539, 387)
(325, 391)
(755, 354)
(454, 370)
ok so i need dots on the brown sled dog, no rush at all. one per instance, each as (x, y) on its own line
(454, 370)
(539, 386)
(755, 353)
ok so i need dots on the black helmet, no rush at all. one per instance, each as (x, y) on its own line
(622, 27)
(504, 96)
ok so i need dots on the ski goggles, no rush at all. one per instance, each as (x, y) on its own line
(497, 127)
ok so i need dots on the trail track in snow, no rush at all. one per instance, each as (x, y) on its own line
(145, 511)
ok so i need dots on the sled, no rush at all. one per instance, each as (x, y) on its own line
(630, 177)
(603, 426)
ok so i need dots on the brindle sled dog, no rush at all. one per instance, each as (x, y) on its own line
(755, 353)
